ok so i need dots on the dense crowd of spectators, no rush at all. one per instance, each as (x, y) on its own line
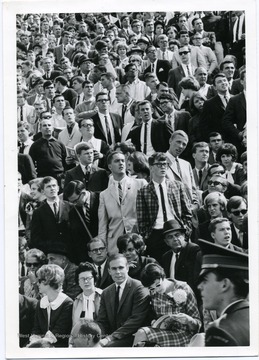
(131, 148)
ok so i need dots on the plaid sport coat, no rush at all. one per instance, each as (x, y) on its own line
(147, 207)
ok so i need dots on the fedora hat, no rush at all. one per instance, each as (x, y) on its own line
(172, 225)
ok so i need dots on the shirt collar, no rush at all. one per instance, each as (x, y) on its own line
(44, 302)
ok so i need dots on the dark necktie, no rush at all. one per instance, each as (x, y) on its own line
(120, 191)
(22, 269)
(87, 176)
(124, 108)
(21, 113)
(178, 167)
(145, 139)
(109, 139)
(200, 177)
(152, 67)
(21, 148)
(163, 202)
(78, 100)
(69, 129)
(117, 299)
(188, 70)
(99, 272)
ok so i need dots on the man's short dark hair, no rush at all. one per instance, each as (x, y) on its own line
(221, 75)
(223, 63)
(62, 80)
(46, 180)
(234, 202)
(158, 156)
(101, 93)
(47, 83)
(57, 96)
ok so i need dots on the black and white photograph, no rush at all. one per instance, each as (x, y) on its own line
(133, 134)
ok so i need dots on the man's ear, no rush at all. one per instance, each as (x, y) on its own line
(212, 234)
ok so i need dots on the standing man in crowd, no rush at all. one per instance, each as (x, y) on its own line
(117, 209)
(159, 201)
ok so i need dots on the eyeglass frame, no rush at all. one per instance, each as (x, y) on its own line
(101, 249)
(238, 212)
(161, 165)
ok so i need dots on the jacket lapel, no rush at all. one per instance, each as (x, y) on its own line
(114, 192)
(124, 294)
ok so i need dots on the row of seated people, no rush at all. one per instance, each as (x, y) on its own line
(95, 297)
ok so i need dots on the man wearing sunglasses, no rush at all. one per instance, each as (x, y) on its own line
(184, 69)
(237, 209)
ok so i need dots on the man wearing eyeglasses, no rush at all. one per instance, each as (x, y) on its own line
(185, 69)
(159, 201)
(155, 65)
(219, 170)
(196, 57)
(97, 251)
(237, 209)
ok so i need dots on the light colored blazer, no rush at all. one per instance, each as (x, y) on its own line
(70, 140)
(79, 302)
(114, 218)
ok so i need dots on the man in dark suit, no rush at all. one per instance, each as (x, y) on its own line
(178, 120)
(183, 261)
(83, 218)
(107, 125)
(61, 85)
(26, 168)
(215, 142)
(237, 209)
(200, 153)
(50, 74)
(153, 65)
(50, 221)
(152, 135)
(65, 49)
(184, 70)
(234, 119)
(49, 90)
(224, 287)
(93, 177)
(214, 108)
(124, 306)
(97, 251)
